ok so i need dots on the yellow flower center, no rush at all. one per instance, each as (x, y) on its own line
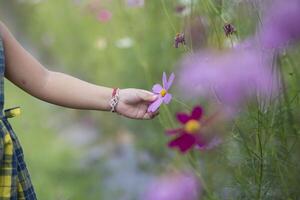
(192, 126)
(163, 92)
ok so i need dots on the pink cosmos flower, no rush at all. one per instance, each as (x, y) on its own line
(281, 23)
(190, 134)
(229, 77)
(162, 92)
(104, 15)
(175, 186)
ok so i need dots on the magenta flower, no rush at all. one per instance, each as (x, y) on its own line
(281, 24)
(162, 92)
(104, 15)
(189, 135)
(175, 186)
(179, 39)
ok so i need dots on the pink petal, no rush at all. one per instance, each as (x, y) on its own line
(164, 80)
(157, 88)
(184, 142)
(182, 117)
(173, 131)
(155, 105)
(170, 82)
(104, 15)
(197, 113)
(167, 98)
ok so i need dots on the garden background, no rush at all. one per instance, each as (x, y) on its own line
(75, 154)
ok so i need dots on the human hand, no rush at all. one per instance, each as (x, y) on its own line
(133, 103)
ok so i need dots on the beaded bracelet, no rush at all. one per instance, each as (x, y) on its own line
(114, 99)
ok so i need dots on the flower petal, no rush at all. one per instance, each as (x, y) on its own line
(155, 105)
(164, 80)
(173, 131)
(184, 142)
(197, 113)
(167, 98)
(157, 88)
(182, 117)
(170, 81)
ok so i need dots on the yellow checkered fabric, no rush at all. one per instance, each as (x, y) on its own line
(15, 181)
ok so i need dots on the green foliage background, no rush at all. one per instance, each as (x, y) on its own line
(260, 155)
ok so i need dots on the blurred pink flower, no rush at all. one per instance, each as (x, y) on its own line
(281, 24)
(191, 133)
(135, 3)
(176, 186)
(230, 77)
(104, 15)
(162, 92)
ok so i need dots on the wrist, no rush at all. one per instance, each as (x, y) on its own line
(114, 100)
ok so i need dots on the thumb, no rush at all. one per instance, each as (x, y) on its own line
(147, 96)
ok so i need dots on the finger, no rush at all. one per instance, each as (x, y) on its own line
(150, 115)
(155, 114)
(147, 116)
(147, 96)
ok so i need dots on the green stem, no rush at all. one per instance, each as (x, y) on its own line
(192, 160)
(261, 160)
(183, 104)
(190, 19)
(169, 116)
(168, 16)
(290, 115)
(244, 139)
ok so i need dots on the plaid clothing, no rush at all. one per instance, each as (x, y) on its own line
(15, 183)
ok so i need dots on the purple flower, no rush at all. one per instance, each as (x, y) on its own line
(229, 29)
(281, 24)
(135, 3)
(179, 39)
(162, 91)
(176, 186)
(229, 77)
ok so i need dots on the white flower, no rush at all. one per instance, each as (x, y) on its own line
(124, 43)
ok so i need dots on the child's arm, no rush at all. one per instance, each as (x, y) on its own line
(61, 89)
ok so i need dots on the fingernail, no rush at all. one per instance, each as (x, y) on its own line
(155, 96)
